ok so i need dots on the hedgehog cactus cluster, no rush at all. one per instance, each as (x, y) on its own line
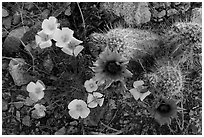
(166, 77)
(168, 81)
(128, 42)
(183, 37)
(189, 30)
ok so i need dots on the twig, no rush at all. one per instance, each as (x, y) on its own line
(111, 120)
(109, 127)
(7, 57)
(30, 54)
(116, 133)
(81, 15)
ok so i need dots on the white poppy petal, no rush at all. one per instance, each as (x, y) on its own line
(45, 44)
(57, 35)
(75, 41)
(33, 96)
(85, 113)
(40, 84)
(73, 104)
(67, 51)
(77, 50)
(90, 98)
(92, 104)
(44, 23)
(68, 32)
(74, 114)
(101, 102)
(135, 94)
(37, 106)
(60, 44)
(144, 95)
(41, 113)
(138, 83)
(41, 33)
(97, 94)
(40, 95)
(31, 87)
(52, 19)
(38, 39)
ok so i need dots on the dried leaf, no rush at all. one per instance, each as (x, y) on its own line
(29, 101)
(16, 18)
(4, 12)
(45, 14)
(7, 22)
(19, 32)
(19, 75)
(12, 41)
(18, 116)
(18, 104)
(61, 131)
(61, 9)
(112, 104)
(48, 64)
(26, 121)
(4, 105)
(68, 11)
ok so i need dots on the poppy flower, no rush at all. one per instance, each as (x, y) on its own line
(65, 40)
(90, 85)
(50, 25)
(137, 90)
(95, 99)
(110, 67)
(39, 110)
(43, 40)
(164, 110)
(36, 90)
(78, 108)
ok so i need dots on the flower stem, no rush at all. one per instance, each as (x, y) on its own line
(81, 15)
(81, 121)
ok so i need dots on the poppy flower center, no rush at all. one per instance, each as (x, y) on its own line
(38, 90)
(164, 108)
(79, 108)
(91, 85)
(51, 26)
(113, 68)
(65, 38)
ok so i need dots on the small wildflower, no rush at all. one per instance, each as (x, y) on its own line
(36, 90)
(95, 99)
(90, 85)
(136, 91)
(78, 108)
(111, 67)
(164, 110)
(50, 25)
(65, 40)
(39, 110)
(43, 40)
